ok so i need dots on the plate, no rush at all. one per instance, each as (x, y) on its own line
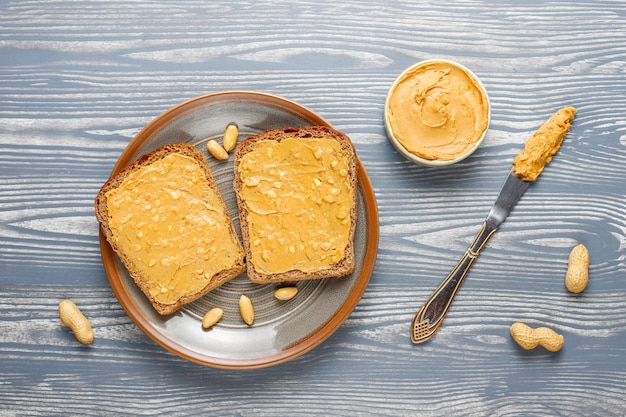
(282, 330)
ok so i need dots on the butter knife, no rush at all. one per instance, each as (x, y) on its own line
(527, 166)
(431, 315)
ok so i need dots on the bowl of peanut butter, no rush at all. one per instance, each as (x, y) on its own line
(437, 113)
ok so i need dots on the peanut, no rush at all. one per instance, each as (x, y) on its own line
(529, 338)
(216, 150)
(285, 293)
(72, 317)
(577, 275)
(230, 137)
(212, 317)
(246, 310)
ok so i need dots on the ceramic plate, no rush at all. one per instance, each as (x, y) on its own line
(282, 329)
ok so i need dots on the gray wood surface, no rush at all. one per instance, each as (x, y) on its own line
(79, 79)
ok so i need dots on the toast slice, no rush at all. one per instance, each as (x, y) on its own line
(165, 218)
(296, 191)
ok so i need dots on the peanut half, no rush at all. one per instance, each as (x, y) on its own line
(211, 318)
(230, 137)
(72, 317)
(216, 150)
(285, 293)
(529, 338)
(246, 310)
(577, 275)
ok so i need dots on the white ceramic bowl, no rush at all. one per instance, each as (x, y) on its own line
(411, 156)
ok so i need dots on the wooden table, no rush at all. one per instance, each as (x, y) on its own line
(79, 79)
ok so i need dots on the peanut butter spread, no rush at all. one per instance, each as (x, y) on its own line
(544, 143)
(437, 111)
(171, 224)
(298, 200)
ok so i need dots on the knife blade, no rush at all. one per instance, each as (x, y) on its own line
(527, 166)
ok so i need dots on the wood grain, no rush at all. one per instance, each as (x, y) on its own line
(79, 79)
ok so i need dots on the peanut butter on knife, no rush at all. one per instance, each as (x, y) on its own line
(544, 143)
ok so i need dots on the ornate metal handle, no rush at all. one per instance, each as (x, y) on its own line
(431, 315)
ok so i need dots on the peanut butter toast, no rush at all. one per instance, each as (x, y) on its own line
(296, 190)
(165, 218)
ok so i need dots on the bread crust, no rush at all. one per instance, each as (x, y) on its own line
(103, 217)
(341, 268)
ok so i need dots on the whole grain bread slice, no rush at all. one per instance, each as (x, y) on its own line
(144, 280)
(345, 265)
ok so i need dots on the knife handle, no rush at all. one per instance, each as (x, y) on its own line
(431, 315)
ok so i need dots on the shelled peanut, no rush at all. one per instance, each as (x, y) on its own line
(229, 141)
(230, 137)
(212, 317)
(246, 310)
(285, 293)
(216, 150)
